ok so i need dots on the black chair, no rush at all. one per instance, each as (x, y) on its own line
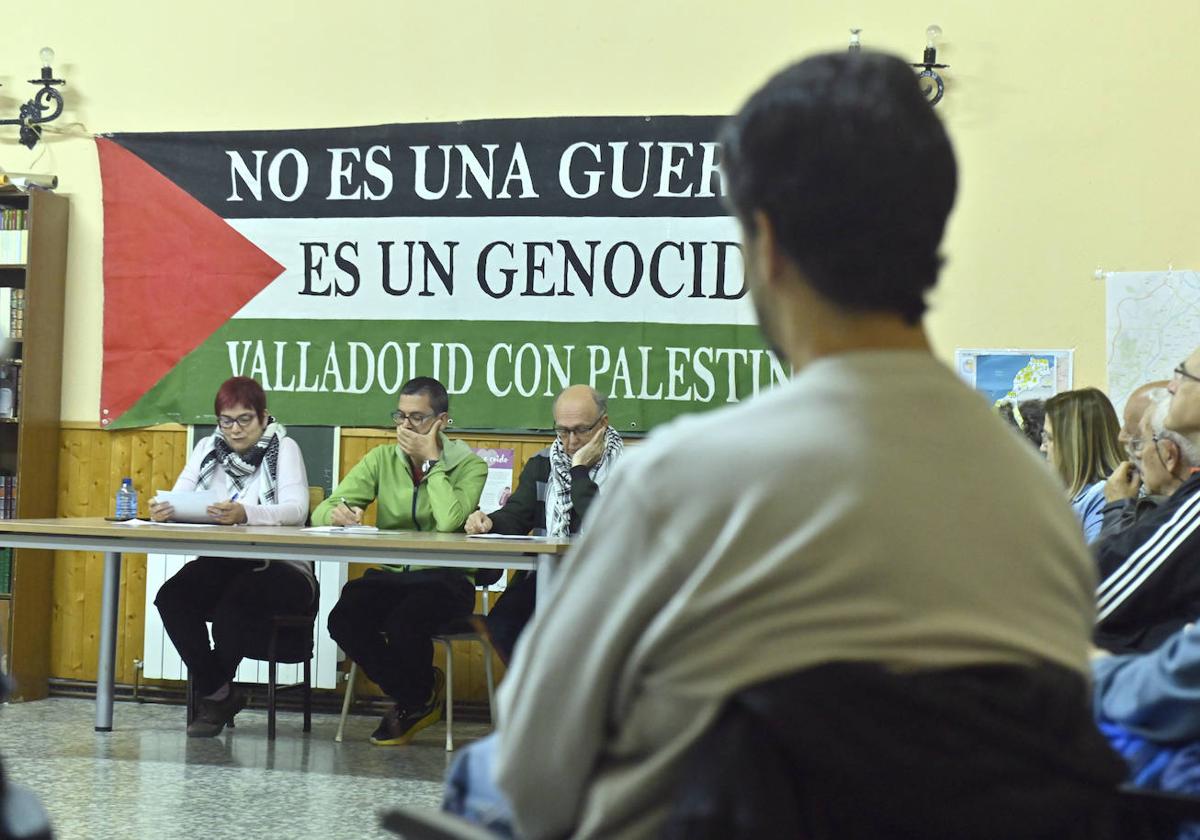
(1161, 814)
(852, 751)
(1143, 815)
(290, 641)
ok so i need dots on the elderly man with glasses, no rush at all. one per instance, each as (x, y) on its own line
(384, 620)
(556, 488)
(1150, 572)
(1160, 460)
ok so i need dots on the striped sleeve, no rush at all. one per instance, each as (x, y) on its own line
(1131, 578)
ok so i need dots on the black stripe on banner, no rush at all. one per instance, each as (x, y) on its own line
(557, 166)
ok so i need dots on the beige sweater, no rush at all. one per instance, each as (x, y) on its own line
(873, 509)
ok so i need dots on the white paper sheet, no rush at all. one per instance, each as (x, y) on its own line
(343, 529)
(191, 505)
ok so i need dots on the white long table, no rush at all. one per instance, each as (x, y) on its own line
(420, 548)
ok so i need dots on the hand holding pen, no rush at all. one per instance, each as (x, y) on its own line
(228, 512)
(344, 514)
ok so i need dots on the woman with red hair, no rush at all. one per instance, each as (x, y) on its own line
(258, 471)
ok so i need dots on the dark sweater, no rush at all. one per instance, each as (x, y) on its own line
(525, 509)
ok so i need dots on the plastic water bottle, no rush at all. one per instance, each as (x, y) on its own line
(127, 501)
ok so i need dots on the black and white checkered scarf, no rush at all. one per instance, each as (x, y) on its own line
(241, 468)
(558, 493)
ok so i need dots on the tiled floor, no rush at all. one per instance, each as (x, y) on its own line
(147, 780)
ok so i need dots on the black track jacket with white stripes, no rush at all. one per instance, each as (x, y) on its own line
(1150, 575)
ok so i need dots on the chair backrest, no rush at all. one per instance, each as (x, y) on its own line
(853, 750)
(316, 495)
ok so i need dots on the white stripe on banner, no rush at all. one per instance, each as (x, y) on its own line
(660, 270)
(161, 661)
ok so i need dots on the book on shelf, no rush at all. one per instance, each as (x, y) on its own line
(10, 389)
(12, 306)
(8, 497)
(14, 238)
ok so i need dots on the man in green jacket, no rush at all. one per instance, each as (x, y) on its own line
(384, 620)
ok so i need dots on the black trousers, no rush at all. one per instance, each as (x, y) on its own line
(512, 612)
(239, 599)
(384, 621)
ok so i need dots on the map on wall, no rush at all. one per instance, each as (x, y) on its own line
(1015, 375)
(1153, 323)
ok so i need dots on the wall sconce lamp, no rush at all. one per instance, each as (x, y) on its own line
(34, 112)
(931, 83)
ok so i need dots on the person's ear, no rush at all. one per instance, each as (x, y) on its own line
(765, 243)
(1173, 459)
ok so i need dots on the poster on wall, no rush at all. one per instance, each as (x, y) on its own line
(1152, 324)
(497, 488)
(507, 258)
(1011, 376)
(499, 484)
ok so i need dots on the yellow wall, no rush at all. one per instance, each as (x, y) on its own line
(1074, 122)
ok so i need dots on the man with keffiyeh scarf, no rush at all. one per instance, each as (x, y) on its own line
(556, 487)
(259, 472)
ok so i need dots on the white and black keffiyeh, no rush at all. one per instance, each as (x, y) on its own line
(241, 468)
(558, 492)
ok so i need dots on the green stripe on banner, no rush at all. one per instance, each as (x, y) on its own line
(500, 375)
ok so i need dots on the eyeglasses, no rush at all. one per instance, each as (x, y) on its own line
(1137, 446)
(417, 419)
(242, 420)
(1181, 373)
(579, 431)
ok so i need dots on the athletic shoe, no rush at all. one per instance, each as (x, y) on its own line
(399, 726)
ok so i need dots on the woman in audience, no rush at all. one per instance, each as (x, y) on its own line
(258, 472)
(1079, 437)
(1027, 417)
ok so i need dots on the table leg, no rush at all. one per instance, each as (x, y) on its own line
(547, 568)
(106, 667)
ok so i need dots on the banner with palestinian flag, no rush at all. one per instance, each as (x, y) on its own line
(506, 258)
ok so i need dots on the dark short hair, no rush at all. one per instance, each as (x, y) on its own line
(845, 156)
(241, 390)
(439, 400)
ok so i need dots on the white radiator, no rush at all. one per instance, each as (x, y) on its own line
(161, 661)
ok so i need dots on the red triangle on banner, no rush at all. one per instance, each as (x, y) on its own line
(174, 272)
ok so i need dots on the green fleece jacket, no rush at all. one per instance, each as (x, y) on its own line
(446, 496)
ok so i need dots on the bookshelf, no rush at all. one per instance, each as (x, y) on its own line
(33, 267)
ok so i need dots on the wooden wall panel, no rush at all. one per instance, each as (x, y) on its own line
(92, 463)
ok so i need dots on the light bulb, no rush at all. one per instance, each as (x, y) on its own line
(47, 56)
(932, 33)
